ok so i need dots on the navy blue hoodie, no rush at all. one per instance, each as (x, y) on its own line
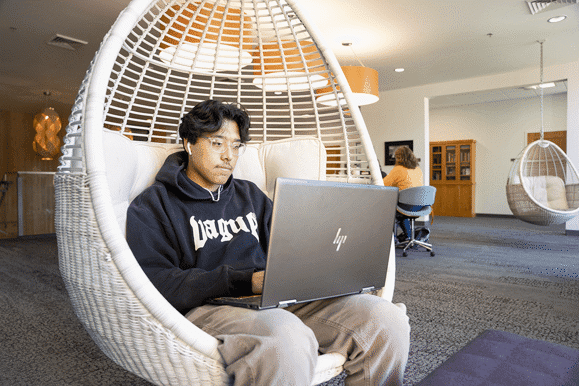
(192, 247)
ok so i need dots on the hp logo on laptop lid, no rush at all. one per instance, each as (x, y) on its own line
(339, 240)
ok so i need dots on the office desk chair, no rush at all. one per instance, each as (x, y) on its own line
(412, 204)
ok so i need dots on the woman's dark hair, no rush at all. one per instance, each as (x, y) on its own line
(208, 117)
(405, 157)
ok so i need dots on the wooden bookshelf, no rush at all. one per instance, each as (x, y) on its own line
(452, 173)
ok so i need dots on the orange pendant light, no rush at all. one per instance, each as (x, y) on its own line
(364, 84)
(46, 142)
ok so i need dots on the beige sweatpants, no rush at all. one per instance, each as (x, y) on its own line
(281, 346)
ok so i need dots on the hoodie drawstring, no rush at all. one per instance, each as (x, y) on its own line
(218, 193)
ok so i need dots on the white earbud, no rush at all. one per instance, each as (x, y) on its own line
(189, 148)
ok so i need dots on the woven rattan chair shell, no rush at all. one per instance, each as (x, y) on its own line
(133, 86)
(542, 158)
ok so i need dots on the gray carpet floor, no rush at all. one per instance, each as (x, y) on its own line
(487, 273)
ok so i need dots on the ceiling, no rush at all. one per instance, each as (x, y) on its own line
(434, 41)
(488, 96)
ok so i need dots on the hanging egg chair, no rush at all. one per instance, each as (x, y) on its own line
(543, 184)
(159, 59)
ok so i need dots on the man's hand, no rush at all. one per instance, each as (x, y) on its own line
(257, 282)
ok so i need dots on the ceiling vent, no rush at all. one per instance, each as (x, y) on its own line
(538, 6)
(66, 42)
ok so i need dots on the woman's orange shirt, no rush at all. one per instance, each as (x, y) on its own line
(404, 178)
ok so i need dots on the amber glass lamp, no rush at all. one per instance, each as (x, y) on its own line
(46, 142)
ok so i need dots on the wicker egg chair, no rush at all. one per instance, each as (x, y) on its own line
(543, 185)
(160, 58)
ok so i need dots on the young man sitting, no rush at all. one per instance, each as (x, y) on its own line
(198, 233)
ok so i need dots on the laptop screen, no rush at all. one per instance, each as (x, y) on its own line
(327, 239)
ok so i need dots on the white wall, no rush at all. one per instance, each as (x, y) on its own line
(498, 128)
(403, 115)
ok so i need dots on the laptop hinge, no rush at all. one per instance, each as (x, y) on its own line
(286, 303)
(367, 289)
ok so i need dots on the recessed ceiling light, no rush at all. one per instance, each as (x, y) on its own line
(399, 70)
(557, 19)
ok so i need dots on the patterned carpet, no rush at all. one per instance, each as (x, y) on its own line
(42, 341)
(488, 273)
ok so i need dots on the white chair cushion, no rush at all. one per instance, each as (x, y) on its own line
(249, 167)
(303, 158)
(131, 166)
(291, 158)
(549, 191)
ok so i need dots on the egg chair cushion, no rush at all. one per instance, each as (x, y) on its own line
(249, 167)
(261, 164)
(132, 165)
(549, 191)
(293, 158)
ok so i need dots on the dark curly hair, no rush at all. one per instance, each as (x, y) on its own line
(405, 157)
(208, 117)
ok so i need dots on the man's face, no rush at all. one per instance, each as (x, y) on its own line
(208, 168)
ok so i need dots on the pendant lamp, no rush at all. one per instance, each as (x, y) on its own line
(278, 66)
(206, 38)
(47, 124)
(362, 80)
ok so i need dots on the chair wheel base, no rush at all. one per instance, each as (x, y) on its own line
(404, 253)
(432, 253)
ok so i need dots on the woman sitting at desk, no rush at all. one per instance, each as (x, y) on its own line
(405, 174)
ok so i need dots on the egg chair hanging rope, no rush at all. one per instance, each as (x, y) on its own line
(543, 183)
(542, 137)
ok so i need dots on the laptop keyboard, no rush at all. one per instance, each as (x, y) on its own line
(253, 299)
(250, 300)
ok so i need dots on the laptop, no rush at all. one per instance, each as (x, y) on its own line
(327, 239)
